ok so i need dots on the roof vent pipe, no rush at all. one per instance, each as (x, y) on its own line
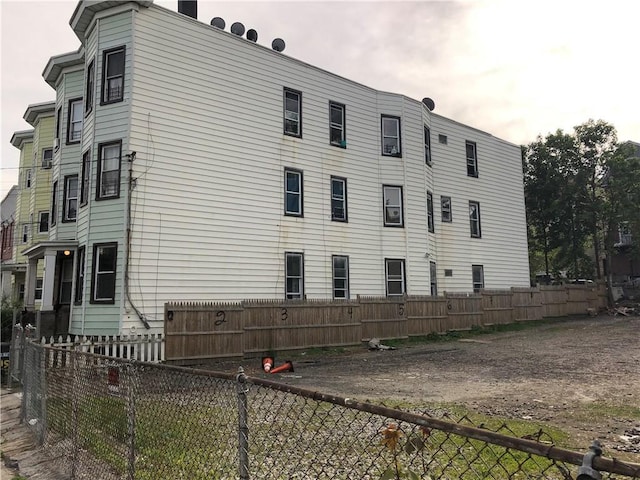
(188, 8)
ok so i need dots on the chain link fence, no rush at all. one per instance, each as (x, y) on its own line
(100, 417)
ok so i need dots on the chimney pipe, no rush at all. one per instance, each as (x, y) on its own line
(188, 7)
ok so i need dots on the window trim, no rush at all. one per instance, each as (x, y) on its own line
(40, 214)
(65, 211)
(80, 274)
(334, 218)
(54, 205)
(430, 218)
(384, 206)
(334, 278)
(403, 278)
(89, 92)
(343, 128)
(70, 141)
(85, 179)
(473, 220)
(300, 193)
(101, 147)
(105, 54)
(95, 273)
(427, 145)
(47, 166)
(287, 276)
(473, 282)
(471, 161)
(398, 154)
(446, 210)
(286, 90)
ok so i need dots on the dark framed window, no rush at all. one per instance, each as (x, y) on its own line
(474, 219)
(70, 209)
(74, 121)
(25, 233)
(108, 176)
(47, 158)
(392, 198)
(292, 112)
(27, 178)
(38, 292)
(442, 139)
(294, 275)
(340, 276)
(338, 199)
(433, 279)
(391, 141)
(472, 159)
(427, 145)
(89, 92)
(293, 193)
(80, 275)
(103, 281)
(430, 223)
(477, 273)
(56, 141)
(445, 207)
(43, 222)
(337, 125)
(395, 276)
(113, 75)
(54, 204)
(85, 178)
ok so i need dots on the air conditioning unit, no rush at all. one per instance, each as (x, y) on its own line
(56, 143)
(46, 163)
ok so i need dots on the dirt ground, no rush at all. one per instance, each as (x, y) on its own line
(581, 375)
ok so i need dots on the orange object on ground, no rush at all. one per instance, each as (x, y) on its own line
(267, 364)
(285, 367)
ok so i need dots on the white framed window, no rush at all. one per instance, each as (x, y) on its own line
(70, 209)
(395, 276)
(294, 275)
(74, 121)
(25, 233)
(392, 198)
(47, 158)
(445, 207)
(27, 178)
(474, 219)
(293, 204)
(391, 141)
(472, 159)
(338, 199)
(108, 184)
(477, 273)
(337, 120)
(430, 223)
(113, 75)
(104, 273)
(292, 112)
(43, 222)
(38, 291)
(340, 276)
(433, 279)
(427, 145)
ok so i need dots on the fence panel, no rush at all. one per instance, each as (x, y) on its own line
(497, 307)
(527, 304)
(554, 301)
(426, 315)
(383, 317)
(463, 311)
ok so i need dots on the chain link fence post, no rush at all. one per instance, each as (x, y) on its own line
(129, 372)
(243, 426)
(75, 387)
(42, 370)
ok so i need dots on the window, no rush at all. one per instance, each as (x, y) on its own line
(294, 275)
(292, 112)
(445, 206)
(427, 145)
(448, 272)
(339, 199)
(21, 291)
(27, 178)
(80, 275)
(113, 75)
(337, 133)
(86, 176)
(472, 159)
(340, 276)
(108, 183)
(474, 219)
(38, 292)
(88, 95)
(391, 144)
(394, 271)
(430, 224)
(433, 279)
(442, 139)
(54, 203)
(66, 281)
(104, 273)
(56, 141)
(74, 121)
(293, 192)
(70, 210)
(43, 222)
(477, 272)
(393, 216)
(25, 233)
(47, 158)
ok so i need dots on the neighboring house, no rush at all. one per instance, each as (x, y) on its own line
(8, 213)
(212, 168)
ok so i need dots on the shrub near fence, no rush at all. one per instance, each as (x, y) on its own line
(196, 331)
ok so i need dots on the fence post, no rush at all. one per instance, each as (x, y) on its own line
(131, 417)
(243, 427)
(75, 388)
(43, 392)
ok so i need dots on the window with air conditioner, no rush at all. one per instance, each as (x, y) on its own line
(392, 208)
(47, 158)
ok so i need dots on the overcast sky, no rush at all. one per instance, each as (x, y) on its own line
(513, 68)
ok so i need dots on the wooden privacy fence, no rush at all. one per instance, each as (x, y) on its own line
(198, 331)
